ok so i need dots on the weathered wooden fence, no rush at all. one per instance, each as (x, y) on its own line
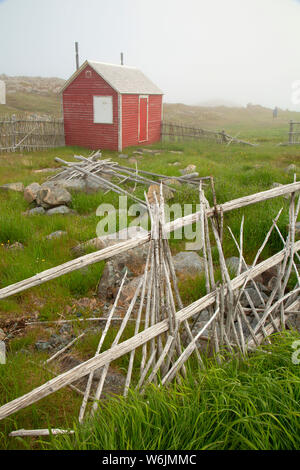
(24, 133)
(167, 339)
(294, 133)
(174, 132)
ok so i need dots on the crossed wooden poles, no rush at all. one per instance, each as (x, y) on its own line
(166, 335)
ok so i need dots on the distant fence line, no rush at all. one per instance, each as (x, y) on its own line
(174, 132)
(23, 133)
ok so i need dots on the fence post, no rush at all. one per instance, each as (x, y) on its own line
(291, 132)
(13, 120)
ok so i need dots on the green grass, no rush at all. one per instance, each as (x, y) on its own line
(238, 171)
(251, 404)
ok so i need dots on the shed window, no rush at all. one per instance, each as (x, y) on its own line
(103, 109)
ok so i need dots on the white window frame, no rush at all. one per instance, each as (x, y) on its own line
(139, 127)
(99, 120)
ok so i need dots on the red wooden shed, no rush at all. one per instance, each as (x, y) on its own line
(108, 106)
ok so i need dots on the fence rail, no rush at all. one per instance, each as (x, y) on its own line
(174, 132)
(178, 132)
(30, 134)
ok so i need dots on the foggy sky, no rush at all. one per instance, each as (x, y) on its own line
(194, 50)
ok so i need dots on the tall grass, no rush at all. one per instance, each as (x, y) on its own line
(251, 404)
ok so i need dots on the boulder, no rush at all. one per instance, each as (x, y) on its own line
(59, 210)
(16, 246)
(18, 187)
(92, 185)
(36, 211)
(52, 195)
(155, 188)
(172, 181)
(188, 264)
(73, 185)
(232, 264)
(114, 382)
(188, 169)
(57, 234)
(30, 192)
(133, 260)
(99, 243)
(43, 345)
(254, 297)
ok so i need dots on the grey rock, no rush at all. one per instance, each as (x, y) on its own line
(57, 234)
(188, 264)
(18, 187)
(254, 297)
(65, 329)
(99, 243)
(272, 283)
(188, 169)
(204, 316)
(43, 345)
(123, 155)
(59, 210)
(58, 340)
(133, 260)
(92, 185)
(293, 322)
(172, 181)
(36, 211)
(52, 195)
(73, 185)
(16, 246)
(232, 264)
(30, 192)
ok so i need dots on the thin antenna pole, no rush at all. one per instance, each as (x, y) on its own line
(77, 56)
(122, 58)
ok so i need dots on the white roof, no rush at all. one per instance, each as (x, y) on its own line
(121, 78)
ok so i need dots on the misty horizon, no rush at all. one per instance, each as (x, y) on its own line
(236, 51)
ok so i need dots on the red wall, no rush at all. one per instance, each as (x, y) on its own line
(130, 113)
(78, 113)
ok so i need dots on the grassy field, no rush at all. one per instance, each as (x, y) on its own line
(238, 171)
(252, 122)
